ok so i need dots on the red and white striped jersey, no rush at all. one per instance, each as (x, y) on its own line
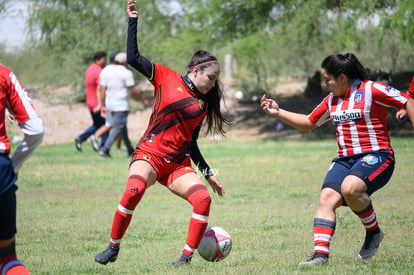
(13, 97)
(360, 117)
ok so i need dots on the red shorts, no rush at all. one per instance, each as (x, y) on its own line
(167, 170)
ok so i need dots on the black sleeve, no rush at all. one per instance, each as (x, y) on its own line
(134, 57)
(196, 156)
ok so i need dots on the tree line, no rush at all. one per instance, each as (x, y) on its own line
(267, 38)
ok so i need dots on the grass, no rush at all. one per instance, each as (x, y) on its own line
(66, 202)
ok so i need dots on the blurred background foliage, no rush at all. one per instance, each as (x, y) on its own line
(269, 39)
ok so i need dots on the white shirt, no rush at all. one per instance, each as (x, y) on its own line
(117, 79)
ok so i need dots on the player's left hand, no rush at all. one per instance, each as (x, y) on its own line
(103, 112)
(400, 114)
(216, 185)
(11, 118)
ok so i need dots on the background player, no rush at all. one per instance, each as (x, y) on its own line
(91, 84)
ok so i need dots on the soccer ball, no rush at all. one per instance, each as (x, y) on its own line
(215, 244)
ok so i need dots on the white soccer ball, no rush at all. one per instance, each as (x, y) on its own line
(215, 245)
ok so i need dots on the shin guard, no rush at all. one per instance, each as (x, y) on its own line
(135, 189)
(200, 199)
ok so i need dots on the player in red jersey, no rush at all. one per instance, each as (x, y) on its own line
(357, 108)
(14, 99)
(403, 112)
(163, 154)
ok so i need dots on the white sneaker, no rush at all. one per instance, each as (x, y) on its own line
(94, 143)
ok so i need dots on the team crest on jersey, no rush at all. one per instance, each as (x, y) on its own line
(359, 96)
(180, 89)
(201, 102)
(346, 115)
(387, 89)
(392, 91)
(370, 159)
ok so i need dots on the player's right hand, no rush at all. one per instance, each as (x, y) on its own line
(269, 106)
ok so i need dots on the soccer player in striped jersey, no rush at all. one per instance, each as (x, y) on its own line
(365, 161)
(14, 100)
(163, 153)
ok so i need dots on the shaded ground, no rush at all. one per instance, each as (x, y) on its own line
(249, 119)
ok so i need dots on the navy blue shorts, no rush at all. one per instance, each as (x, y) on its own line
(7, 198)
(374, 168)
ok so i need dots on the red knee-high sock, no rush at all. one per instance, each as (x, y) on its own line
(10, 265)
(323, 231)
(135, 189)
(369, 219)
(200, 199)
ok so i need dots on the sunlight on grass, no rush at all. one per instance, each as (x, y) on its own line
(66, 202)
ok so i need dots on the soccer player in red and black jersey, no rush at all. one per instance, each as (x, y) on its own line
(403, 112)
(165, 150)
(365, 161)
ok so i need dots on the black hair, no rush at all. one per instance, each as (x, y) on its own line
(112, 56)
(99, 55)
(347, 64)
(215, 118)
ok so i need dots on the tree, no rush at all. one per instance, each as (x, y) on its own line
(267, 37)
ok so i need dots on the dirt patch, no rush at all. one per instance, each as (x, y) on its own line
(63, 122)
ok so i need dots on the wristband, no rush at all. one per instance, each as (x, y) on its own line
(208, 173)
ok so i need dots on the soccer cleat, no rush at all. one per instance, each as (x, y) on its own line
(183, 260)
(108, 255)
(316, 259)
(104, 154)
(371, 244)
(78, 144)
(94, 143)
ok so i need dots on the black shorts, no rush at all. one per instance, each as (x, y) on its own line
(374, 168)
(8, 213)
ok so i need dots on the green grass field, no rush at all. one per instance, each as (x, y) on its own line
(66, 202)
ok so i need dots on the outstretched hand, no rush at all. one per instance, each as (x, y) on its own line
(269, 106)
(400, 114)
(131, 10)
(216, 185)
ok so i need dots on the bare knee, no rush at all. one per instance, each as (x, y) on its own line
(329, 200)
(353, 187)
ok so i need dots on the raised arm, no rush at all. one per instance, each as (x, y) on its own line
(134, 57)
(296, 120)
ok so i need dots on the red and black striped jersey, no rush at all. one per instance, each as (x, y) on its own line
(178, 110)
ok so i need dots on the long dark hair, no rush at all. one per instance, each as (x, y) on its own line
(215, 118)
(347, 64)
